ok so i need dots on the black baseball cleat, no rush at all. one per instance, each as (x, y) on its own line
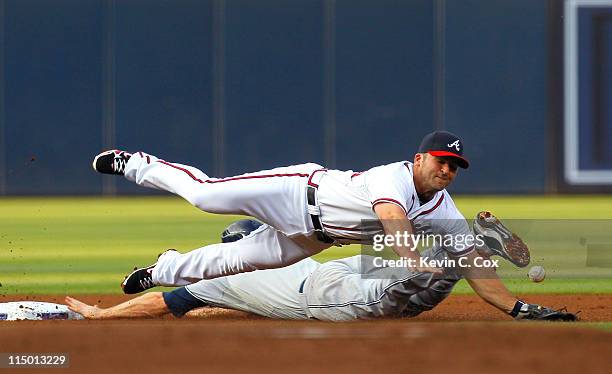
(111, 162)
(501, 241)
(139, 280)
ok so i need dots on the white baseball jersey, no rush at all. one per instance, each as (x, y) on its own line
(277, 197)
(347, 199)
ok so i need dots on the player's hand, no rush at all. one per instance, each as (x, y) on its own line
(536, 312)
(87, 311)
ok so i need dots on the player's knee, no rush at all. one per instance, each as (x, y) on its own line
(198, 200)
(211, 204)
(205, 205)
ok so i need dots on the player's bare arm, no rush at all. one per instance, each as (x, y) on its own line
(485, 282)
(394, 222)
(145, 306)
(494, 292)
(150, 305)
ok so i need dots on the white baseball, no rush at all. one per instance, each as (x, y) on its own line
(536, 273)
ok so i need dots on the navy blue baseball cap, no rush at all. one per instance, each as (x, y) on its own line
(444, 144)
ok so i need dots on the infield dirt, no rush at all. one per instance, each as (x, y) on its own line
(440, 340)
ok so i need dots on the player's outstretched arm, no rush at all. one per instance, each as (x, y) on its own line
(145, 306)
(487, 285)
(395, 223)
(494, 292)
(485, 282)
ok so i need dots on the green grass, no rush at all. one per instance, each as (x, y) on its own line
(606, 326)
(553, 286)
(86, 245)
(538, 207)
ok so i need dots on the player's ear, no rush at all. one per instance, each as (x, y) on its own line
(418, 158)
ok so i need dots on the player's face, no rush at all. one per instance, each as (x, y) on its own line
(434, 173)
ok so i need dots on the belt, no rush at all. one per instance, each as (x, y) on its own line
(313, 208)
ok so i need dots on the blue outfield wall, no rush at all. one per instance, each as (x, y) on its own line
(496, 92)
(237, 85)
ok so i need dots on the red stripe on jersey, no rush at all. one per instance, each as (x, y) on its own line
(310, 183)
(232, 178)
(142, 155)
(432, 209)
(387, 200)
(181, 169)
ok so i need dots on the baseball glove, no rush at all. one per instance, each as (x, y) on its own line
(536, 312)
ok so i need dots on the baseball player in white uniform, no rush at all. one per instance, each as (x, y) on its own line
(307, 208)
(340, 290)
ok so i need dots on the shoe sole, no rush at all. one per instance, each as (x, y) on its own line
(512, 248)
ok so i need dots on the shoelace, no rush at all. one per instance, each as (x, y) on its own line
(119, 163)
(147, 283)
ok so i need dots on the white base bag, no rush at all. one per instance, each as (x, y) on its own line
(35, 311)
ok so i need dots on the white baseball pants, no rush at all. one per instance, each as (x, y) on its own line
(276, 197)
(338, 290)
(271, 293)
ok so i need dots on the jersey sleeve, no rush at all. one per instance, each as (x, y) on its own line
(460, 237)
(389, 184)
(462, 242)
(179, 301)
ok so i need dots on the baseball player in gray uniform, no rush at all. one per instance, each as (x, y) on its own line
(307, 208)
(340, 290)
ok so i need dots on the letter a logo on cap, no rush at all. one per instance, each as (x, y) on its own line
(444, 144)
(455, 144)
